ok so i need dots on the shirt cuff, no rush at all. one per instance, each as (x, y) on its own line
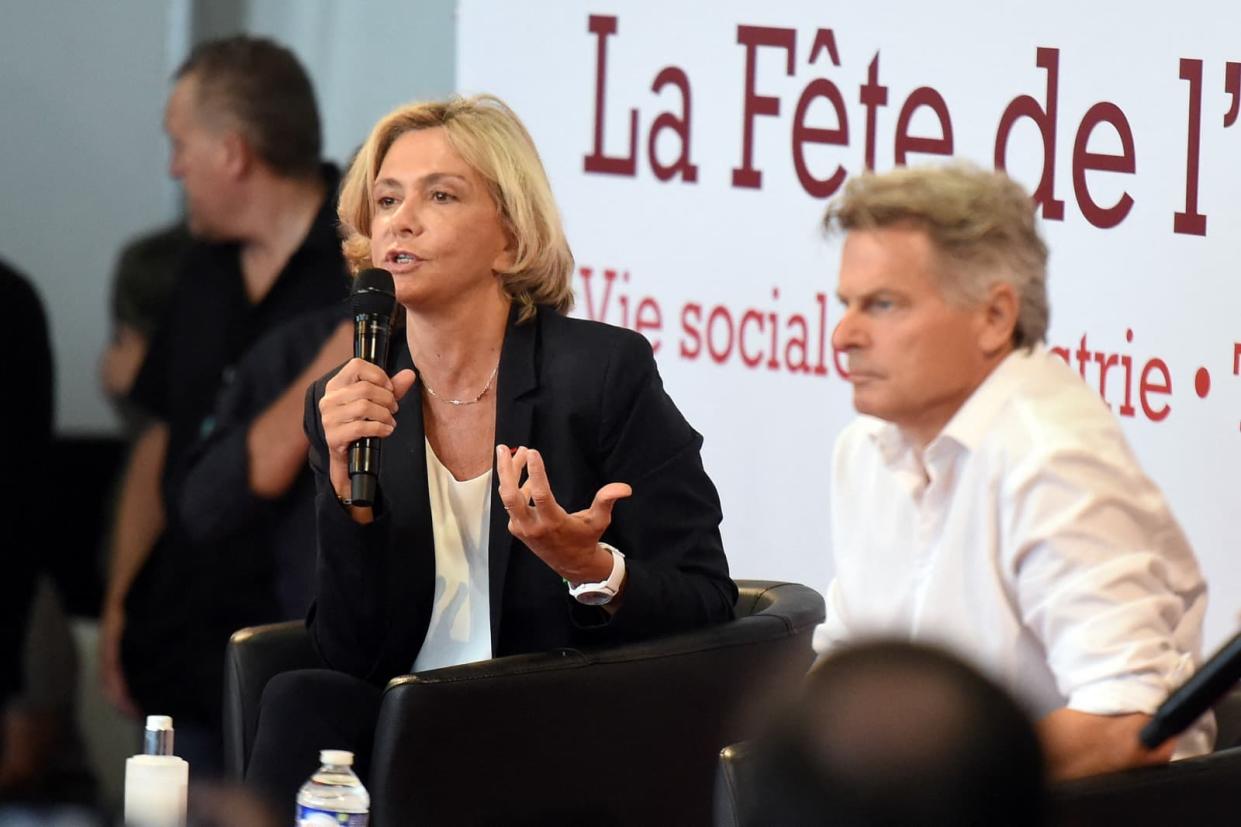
(1134, 692)
(337, 526)
(588, 618)
(1119, 697)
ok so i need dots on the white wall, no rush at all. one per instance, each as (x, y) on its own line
(365, 58)
(82, 89)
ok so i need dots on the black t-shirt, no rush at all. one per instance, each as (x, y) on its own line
(189, 597)
(211, 324)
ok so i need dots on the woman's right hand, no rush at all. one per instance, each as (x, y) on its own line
(359, 401)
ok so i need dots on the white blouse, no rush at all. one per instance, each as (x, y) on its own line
(460, 628)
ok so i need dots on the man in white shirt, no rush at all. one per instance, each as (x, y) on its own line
(986, 500)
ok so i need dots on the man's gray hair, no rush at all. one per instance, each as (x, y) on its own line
(981, 223)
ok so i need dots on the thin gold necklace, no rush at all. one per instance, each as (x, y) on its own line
(459, 402)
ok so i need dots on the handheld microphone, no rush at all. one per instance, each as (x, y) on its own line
(1196, 695)
(373, 301)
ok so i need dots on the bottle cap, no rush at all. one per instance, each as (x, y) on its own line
(157, 739)
(338, 757)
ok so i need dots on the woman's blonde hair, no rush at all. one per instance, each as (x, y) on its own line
(488, 135)
(981, 224)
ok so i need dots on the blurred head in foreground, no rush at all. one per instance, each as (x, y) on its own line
(893, 733)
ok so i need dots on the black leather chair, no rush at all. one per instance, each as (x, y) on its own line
(1199, 791)
(628, 735)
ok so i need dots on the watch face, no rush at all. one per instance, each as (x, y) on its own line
(599, 598)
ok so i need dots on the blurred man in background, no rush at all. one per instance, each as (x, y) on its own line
(245, 136)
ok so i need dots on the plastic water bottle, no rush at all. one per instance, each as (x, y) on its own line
(333, 797)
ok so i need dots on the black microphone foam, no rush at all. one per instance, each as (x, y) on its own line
(373, 292)
(373, 300)
(1198, 694)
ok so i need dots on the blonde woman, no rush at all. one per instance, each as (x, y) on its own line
(538, 486)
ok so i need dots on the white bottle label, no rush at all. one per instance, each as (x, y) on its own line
(155, 791)
(314, 817)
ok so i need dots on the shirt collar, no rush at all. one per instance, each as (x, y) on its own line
(972, 420)
(887, 438)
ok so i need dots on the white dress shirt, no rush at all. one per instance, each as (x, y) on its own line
(1026, 539)
(460, 629)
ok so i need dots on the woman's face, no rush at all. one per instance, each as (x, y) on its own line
(435, 225)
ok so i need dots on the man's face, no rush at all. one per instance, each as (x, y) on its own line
(198, 161)
(914, 358)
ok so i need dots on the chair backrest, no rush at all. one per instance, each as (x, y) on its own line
(628, 735)
(1199, 791)
(1228, 721)
(254, 656)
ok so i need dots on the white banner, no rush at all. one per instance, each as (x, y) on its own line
(692, 148)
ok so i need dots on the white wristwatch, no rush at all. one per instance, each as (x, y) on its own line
(601, 593)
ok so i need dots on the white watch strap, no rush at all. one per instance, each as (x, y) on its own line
(613, 583)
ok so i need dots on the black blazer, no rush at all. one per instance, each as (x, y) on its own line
(588, 396)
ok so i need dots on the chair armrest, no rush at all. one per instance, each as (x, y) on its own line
(732, 784)
(799, 606)
(254, 656)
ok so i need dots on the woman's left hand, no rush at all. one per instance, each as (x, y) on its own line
(568, 543)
